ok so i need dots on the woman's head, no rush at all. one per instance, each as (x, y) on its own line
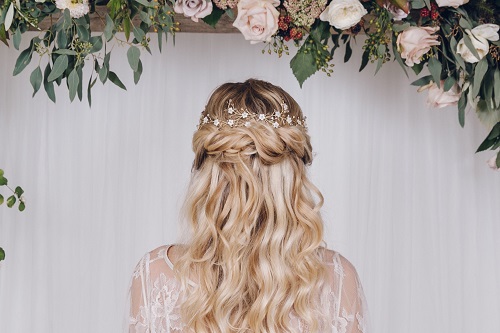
(254, 119)
(256, 231)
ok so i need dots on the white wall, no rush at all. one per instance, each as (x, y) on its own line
(407, 200)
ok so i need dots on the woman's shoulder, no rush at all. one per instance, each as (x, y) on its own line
(339, 266)
(155, 262)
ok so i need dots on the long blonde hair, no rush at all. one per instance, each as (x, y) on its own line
(255, 248)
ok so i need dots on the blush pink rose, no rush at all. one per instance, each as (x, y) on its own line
(414, 42)
(257, 19)
(438, 98)
(492, 162)
(195, 9)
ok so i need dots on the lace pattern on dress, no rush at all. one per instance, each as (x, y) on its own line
(155, 298)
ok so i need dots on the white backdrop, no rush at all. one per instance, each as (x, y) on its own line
(407, 200)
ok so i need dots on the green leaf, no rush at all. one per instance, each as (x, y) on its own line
(96, 44)
(9, 17)
(126, 28)
(65, 51)
(83, 33)
(138, 34)
(490, 139)
(422, 81)
(1, 199)
(417, 4)
(435, 68)
(364, 60)
(2, 254)
(16, 39)
(48, 86)
(18, 191)
(36, 79)
(67, 23)
(498, 160)
(145, 18)
(453, 48)
(60, 65)
(470, 46)
(417, 68)
(114, 78)
(73, 80)
(380, 62)
(462, 103)
(133, 55)
(400, 27)
(214, 17)
(103, 73)
(89, 90)
(108, 30)
(79, 90)
(146, 3)
(22, 206)
(160, 38)
(496, 86)
(230, 13)
(62, 39)
(348, 52)
(303, 64)
(11, 201)
(138, 72)
(448, 83)
(3, 35)
(464, 23)
(23, 60)
(481, 68)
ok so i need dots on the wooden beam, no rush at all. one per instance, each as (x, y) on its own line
(97, 23)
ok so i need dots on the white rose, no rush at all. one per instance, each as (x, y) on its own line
(257, 19)
(195, 9)
(451, 3)
(343, 14)
(479, 37)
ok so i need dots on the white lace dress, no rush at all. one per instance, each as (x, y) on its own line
(155, 297)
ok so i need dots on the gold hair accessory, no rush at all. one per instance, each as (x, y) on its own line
(243, 117)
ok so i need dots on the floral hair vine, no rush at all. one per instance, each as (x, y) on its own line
(243, 118)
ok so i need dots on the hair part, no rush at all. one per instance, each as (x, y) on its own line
(256, 232)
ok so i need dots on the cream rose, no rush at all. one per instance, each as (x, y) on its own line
(195, 9)
(397, 13)
(414, 42)
(76, 8)
(492, 162)
(438, 98)
(343, 14)
(479, 37)
(257, 19)
(451, 3)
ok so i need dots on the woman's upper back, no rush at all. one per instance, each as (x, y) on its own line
(155, 295)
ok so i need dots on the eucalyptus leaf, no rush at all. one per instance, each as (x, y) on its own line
(126, 28)
(96, 44)
(422, 81)
(462, 103)
(114, 78)
(146, 3)
(83, 33)
(9, 17)
(11, 201)
(348, 52)
(73, 80)
(481, 68)
(435, 68)
(49, 86)
(138, 72)
(16, 39)
(108, 29)
(449, 82)
(62, 39)
(464, 23)
(160, 39)
(103, 73)
(60, 65)
(23, 60)
(400, 27)
(364, 60)
(133, 56)
(36, 79)
(470, 46)
(65, 51)
(138, 34)
(496, 87)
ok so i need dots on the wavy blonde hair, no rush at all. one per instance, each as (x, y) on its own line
(255, 248)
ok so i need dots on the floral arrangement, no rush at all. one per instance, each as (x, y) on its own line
(457, 41)
(17, 195)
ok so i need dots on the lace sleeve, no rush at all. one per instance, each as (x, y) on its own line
(349, 308)
(153, 296)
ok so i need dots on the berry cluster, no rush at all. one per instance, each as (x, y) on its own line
(433, 13)
(286, 30)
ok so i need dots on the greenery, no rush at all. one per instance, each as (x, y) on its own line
(17, 196)
(455, 40)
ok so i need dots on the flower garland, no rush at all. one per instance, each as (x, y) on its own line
(456, 40)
